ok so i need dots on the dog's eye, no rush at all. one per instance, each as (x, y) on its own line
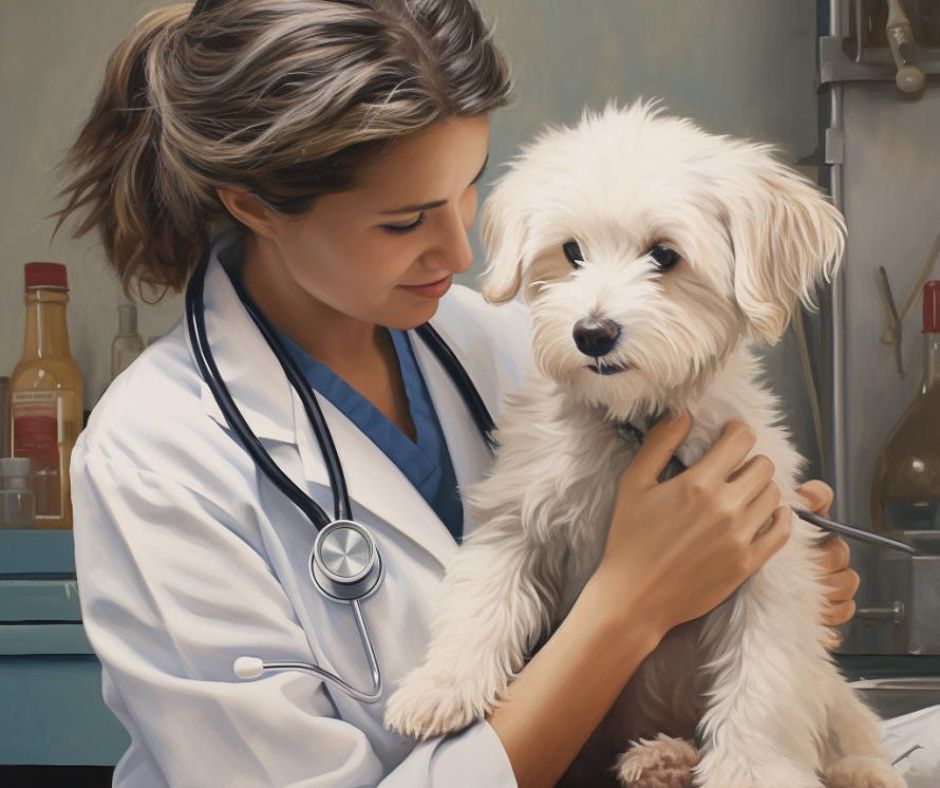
(663, 256)
(573, 253)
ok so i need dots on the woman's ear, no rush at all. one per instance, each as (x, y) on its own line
(247, 209)
(786, 237)
(504, 230)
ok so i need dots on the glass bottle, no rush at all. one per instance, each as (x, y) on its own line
(4, 416)
(17, 504)
(906, 488)
(46, 391)
(127, 344)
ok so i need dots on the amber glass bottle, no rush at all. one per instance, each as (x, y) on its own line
(46, 395)
(906, 487)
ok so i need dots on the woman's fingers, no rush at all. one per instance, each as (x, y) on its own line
(727, 453)
(771, 537)
(760, 511)
(753, 479)
(833, 554)
(839, 613)
(841, 586)
(832, 639)
(818, 496)
(662, 442)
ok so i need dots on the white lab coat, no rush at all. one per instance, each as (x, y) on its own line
(187, 557)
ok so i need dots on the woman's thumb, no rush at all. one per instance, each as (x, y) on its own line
(661, 443)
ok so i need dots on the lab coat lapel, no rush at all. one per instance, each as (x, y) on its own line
(250, 370)
(275, 414)
(468, 452)
(374, 482)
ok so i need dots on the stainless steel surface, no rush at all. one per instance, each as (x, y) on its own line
(837, 465)
(4, 417)
(895, 613)
(893, 697)
(878, 43)
(913, 583)
(894, 329)
(882, 152)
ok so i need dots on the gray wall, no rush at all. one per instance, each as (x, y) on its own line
(745, 67)
(52, 58)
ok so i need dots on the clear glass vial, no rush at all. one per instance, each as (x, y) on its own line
(128, 344)
(17, 503)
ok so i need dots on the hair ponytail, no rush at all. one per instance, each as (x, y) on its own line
(287, 99)
(153, 229)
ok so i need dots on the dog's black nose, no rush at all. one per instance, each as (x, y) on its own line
(596, 337)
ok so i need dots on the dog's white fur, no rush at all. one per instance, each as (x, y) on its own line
(752, 680)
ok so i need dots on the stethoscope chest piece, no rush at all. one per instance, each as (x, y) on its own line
(344, 562)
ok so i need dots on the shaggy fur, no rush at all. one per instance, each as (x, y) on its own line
(747, 695)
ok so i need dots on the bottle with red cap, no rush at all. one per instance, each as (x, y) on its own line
(46, 390)
(906, 488)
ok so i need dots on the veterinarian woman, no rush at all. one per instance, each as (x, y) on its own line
(323, 154)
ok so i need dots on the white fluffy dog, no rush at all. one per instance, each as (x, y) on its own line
(650, 253)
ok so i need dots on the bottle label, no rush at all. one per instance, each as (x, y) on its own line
(36, 417)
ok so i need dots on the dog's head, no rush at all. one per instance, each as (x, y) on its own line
(648, 249)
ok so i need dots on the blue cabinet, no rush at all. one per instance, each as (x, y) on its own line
(51, 712)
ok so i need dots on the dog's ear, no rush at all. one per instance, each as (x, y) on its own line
(786, 236)
(504, 229)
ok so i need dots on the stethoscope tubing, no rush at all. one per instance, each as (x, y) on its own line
(195, 316)
(365, 697)
(208, 369)
(474, 401)
(342, 508)
(854, 533)
(195, 309)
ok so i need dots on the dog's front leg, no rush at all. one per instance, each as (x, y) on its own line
(490, 614)
(855, 755)
(766, 707)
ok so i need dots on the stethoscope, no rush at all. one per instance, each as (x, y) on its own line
(344, 563)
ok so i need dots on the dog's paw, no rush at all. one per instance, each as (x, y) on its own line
(863, 771)
(431, 704)
(663, 762)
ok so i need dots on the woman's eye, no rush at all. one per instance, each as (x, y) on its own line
(401, 229)
(664, 257)
(573, 253)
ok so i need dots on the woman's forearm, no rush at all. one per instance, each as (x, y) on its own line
(563, 693)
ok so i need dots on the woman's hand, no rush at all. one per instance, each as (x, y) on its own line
(677, 549)
(841, 581)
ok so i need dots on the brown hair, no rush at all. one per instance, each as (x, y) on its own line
(285, 98)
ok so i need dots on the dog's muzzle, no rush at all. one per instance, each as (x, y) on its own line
(597, 338)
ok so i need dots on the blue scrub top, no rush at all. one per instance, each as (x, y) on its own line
(426, 463)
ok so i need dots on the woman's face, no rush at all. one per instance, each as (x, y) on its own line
(405, 223)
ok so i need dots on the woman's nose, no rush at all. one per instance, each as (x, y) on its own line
(454, 243)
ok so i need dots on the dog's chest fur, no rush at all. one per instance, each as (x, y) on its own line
(560, 463)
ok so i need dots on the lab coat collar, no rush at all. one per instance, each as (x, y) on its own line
(275, 412)
(249, 368)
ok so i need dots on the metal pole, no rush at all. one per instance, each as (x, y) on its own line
(834, 157)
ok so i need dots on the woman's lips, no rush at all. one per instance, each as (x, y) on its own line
(432, 290)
